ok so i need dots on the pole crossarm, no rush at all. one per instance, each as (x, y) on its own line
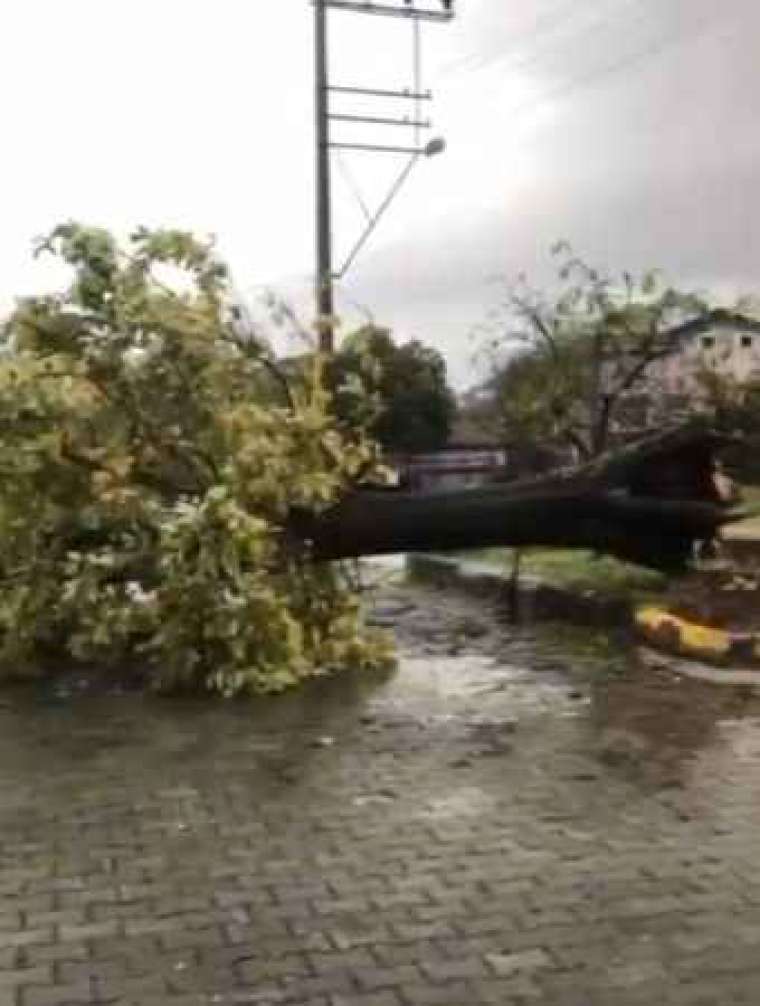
(376, 148)
(386, 10)
(325, 116)
(373, 93)
(380, 121)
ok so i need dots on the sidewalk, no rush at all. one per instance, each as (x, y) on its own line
(505, 821)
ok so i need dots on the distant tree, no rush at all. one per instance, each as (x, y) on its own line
(399, 392)
(733, 408)
(567, 364)
(733, 405)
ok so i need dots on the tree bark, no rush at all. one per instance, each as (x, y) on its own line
(648, 503)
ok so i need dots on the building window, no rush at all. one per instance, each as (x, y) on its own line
(746, 341)
(708, 341)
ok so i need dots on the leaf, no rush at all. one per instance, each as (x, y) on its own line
(650, 282)
(174, 461)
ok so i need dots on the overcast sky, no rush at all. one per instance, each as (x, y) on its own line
(628, 127)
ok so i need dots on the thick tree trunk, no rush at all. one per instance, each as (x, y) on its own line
(648, 503)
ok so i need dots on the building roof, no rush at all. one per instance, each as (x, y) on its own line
(717, 318)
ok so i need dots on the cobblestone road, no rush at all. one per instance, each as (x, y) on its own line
(500, 822)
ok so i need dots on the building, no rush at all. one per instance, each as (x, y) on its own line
(722, 342)
(456, 466)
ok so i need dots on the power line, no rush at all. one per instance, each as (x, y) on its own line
(463, 62)
(561, 32)
(560, 14)
(584, 81)
(596, 27)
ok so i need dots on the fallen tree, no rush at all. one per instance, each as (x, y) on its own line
(172, 496)
(648, 503)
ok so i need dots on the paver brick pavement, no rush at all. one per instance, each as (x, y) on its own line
(513, 824)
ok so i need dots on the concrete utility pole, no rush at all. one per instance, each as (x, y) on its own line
(325, 274)
(324, 277)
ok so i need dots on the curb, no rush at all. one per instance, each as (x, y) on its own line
(735, 657)
(537, 599)
(683, 667)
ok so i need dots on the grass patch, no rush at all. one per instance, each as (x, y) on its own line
(751, 496)
(580, 570)
(750, 528)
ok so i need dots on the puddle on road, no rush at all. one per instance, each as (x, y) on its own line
(576, 702)
(654, 727)
(465, 801)
(468, 686)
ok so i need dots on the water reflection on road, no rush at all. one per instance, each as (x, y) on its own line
(530, 805)
(467, 685)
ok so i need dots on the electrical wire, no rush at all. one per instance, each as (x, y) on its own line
(417, 73)
(372, 224)
(465, 62)
(553, 19)
(568, 38)
(582, 40)
(352, 184)
(593, 77)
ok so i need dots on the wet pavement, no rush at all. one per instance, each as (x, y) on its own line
(521, 815)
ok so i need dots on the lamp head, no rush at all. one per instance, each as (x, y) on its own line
(436, 146)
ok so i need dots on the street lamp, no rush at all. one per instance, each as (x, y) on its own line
(434, 147)
(324, 114)
(431, 149)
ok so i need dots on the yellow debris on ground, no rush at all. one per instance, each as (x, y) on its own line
(689, 638)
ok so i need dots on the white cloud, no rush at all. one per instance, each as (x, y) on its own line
(627, 127)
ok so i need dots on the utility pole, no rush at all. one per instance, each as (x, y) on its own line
(324, 278)
(325, 274)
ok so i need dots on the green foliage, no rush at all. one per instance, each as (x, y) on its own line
(733, 408)
(540, 396)
(569, 364)
(581, 570)
(398, 391)
(733, 405)
(151, 453)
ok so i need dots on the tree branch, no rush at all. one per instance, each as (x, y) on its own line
(647, 503)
